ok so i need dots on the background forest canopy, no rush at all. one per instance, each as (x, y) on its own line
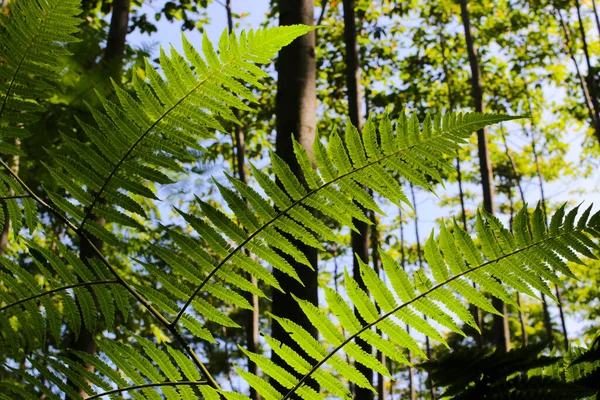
(299, 199)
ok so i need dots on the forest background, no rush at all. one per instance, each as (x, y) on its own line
(536, 58)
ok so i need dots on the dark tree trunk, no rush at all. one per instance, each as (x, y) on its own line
(374, 242)
(251, 315)
(517, 181)
(411, 371)
(591, 77)
(590, 102)
(596, 17)
(296, 114)
(475, 311)
(115, 43)
(113, 57)
(500, 327)
(360, 239)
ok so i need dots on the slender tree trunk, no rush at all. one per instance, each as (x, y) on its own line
(375, 245)
(476, 311)
(591, 76)
(517, 179)
(583, 83)
(360, 239)
(563, 322)
(411, 371)
(501, 331)
(374, 241)
(296, 114)
(561, 313)
(117, 33)
(596, 17)
(240, 164)
(420, 259)
(113, 57)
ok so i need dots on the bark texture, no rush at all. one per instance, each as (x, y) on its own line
(360, 239)
(296, 115)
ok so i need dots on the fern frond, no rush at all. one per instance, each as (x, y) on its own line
(333, 188)
(159, 373)
(438, 291)
(136, 140)
(33, 38)
(56, 288)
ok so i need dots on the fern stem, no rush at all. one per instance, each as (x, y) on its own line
(416, 298)
(147, 385)
(294, 204)
(194, 356)
(102, 282)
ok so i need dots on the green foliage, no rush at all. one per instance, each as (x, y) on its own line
(33, 37)
(520, 373)
(200, 277)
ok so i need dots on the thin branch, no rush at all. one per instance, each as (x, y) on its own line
(148, 385)
(322, 14)
(589, 102)
(413, 300)
(92, 283)
(294, 204)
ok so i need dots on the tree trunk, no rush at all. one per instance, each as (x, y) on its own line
(360, 239)
(596, 17)
(251, 315)
(374, 243)
(411, 371)
(115, 43)
(591, 76)
(583, 83)
(475, 311)
(500, 327)
(296, 114)
(432, 391)
(517, 179)
(538, 172)
(113, 57)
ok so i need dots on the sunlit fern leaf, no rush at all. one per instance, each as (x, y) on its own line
(438, 290)
(332, 190)
(136, 141)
